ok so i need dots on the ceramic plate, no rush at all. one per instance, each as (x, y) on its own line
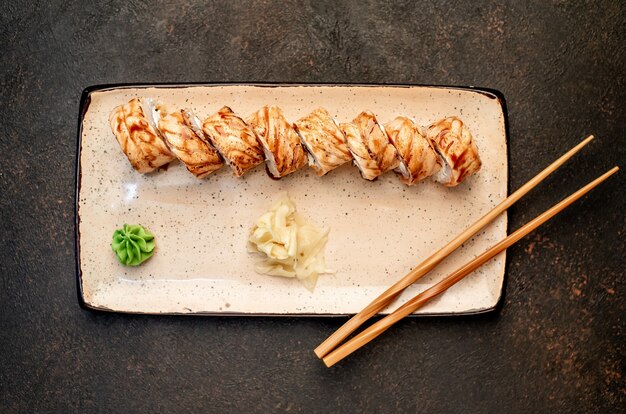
(378, 230)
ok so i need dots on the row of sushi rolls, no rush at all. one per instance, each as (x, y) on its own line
(151, 137)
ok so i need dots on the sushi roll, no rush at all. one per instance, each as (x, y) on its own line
(135, 129)
(371, 144)
(453, 141)
(234, 139)
(184, 137)
(133, 152)
(416, 155)
(362, 157)
(324, 141)
(281, 145)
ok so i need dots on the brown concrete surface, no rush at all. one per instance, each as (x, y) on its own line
(556, 343)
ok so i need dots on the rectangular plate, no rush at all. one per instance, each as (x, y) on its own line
(379, 230)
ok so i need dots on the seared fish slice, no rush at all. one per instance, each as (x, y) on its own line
(184, 137)
(281, 145)
(234, 139)
(133, 152)
(372, 143)
(418, 159)
(453, 141)
(362, 157)
(135, 131)
(324, 141)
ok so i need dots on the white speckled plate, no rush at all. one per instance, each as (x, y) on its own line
(379, 230)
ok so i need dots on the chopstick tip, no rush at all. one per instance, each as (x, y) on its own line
(328, 362)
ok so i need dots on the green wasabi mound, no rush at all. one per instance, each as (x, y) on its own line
(132, 244)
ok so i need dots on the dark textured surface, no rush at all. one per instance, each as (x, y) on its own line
(556, 344)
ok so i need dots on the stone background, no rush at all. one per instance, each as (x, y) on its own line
(555, 344)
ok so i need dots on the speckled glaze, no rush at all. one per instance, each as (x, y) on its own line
(379, 230)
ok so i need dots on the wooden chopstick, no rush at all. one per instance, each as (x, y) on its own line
(418, 301)
(427, 265)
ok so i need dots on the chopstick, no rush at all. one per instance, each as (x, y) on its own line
(427, 265)
(418, 301)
